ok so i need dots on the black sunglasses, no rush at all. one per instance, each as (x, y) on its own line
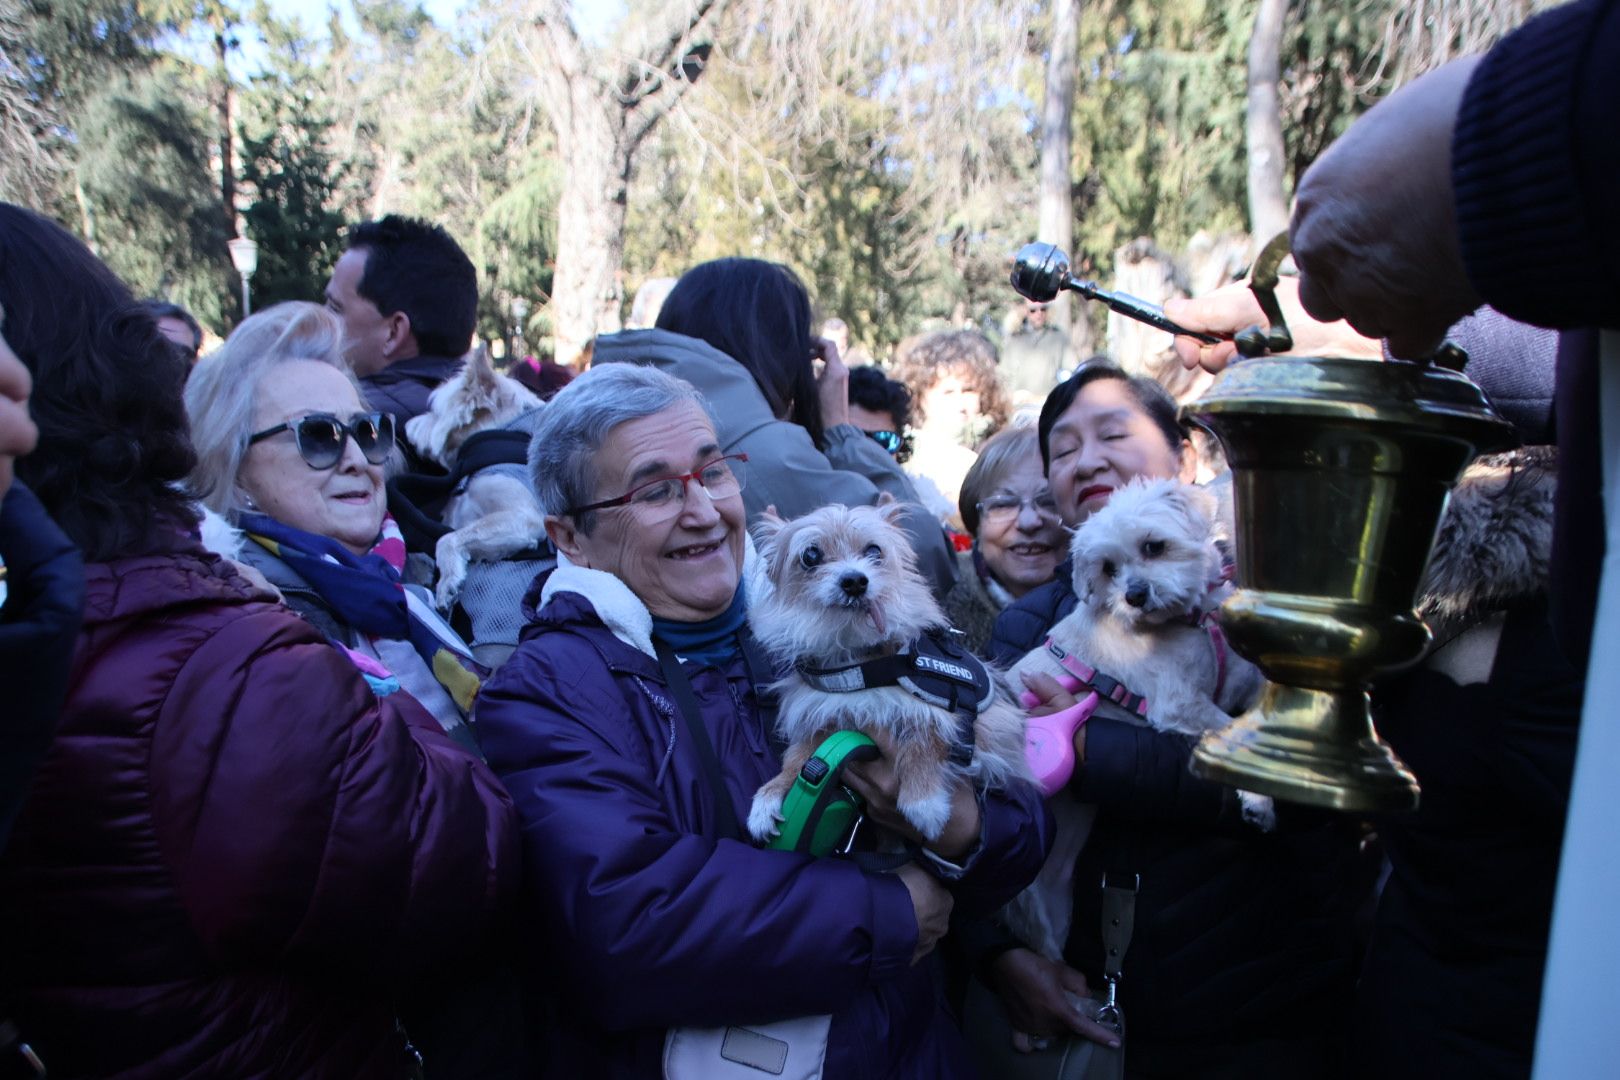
(321, 437)
(889, 440)
(895, 443)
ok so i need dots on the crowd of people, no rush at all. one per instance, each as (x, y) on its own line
(266, 813)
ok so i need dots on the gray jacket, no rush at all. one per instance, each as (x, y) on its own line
(785, 469)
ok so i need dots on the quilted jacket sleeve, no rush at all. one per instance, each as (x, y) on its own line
(1143, 775)
(655, 926)
(309, 822)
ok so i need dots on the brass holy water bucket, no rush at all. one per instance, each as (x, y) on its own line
(1341, 470)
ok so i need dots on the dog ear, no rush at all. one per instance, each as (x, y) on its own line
(891, 509)
(482, 382)
(766, 532)
(1194, 504)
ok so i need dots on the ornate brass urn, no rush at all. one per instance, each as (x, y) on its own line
(1341, 470)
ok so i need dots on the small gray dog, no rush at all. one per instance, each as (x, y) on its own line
(1147, 572)
(494, 514)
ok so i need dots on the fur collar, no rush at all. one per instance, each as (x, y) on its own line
(621, 610)
(1495, 541)
(219, 535)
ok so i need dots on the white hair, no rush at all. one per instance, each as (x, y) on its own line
(224, 385)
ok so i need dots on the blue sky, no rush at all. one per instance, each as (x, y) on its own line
(592, 17)
(312, 13)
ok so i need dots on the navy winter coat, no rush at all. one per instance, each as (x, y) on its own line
(642, 919)
(1242, 951)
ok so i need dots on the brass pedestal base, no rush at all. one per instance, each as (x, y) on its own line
(1309, 746)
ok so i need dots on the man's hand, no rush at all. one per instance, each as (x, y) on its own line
(832, 385)
(1036, 992)
(876, 782)
(1375, 226)
(930, 903)
(18, 435)
(1233, 308)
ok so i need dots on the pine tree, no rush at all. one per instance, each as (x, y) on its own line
(289, 177)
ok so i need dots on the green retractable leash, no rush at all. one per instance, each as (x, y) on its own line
(819, 814)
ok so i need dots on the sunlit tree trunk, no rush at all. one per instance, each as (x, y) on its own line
(602, 116)
(1268, 200)
(1056, 224)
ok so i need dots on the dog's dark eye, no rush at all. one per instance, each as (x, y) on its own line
(1153, 548)
(1109, 568)
(810, 557)
(873, 552)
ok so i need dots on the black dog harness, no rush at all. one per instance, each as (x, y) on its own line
(933, 669)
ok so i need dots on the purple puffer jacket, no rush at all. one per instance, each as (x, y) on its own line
(642, 921)
(234, 852)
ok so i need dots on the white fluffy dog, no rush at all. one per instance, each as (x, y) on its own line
(845, 592)
(494, 514)
(1147, 573)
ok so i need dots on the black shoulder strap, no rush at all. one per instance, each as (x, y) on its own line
(762, 675)
(498, 446)
(680, 687)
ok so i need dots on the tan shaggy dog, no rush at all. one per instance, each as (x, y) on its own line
(844, 589)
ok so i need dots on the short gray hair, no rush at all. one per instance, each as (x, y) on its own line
(575, 424)
(224, 385)
(999, 453)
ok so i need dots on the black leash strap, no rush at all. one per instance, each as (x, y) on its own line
(1118, 920)
(680, 687)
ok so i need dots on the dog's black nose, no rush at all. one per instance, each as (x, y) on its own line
(1136, 595)
(853, 584)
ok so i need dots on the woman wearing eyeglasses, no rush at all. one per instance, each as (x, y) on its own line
(237, 858)
(288, 454)
(740, 330)
(631, 729)
(1018, 537)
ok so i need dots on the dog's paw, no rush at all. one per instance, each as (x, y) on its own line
(928, 815)
(765, 816)
(452, 572)
(1258, 810)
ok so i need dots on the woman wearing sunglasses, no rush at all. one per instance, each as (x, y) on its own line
(236, 858)
(288, 454)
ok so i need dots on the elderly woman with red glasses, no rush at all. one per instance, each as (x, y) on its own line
(633, 726)
(289, 455)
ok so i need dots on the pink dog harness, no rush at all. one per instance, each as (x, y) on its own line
(1049, 740)
(1081, 674)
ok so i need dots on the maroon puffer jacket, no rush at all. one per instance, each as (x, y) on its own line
(234, 851)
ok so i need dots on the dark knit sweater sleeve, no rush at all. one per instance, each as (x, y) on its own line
(1535, 156)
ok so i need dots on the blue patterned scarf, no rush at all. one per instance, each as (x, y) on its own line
(366, 592)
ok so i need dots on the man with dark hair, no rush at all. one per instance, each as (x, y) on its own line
(881, 407)
(408, 298)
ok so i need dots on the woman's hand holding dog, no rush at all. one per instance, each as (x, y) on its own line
(1036, 992)
(876, 782)
(1055, 699)
(930, 903)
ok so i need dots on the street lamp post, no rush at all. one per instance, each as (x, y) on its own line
(245, 257)
(520, 316)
